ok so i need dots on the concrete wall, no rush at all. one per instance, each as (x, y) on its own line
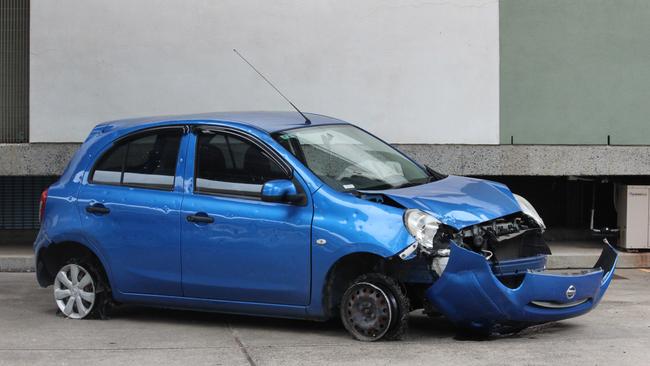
(575, 71)
(495, 160)
(410, 71)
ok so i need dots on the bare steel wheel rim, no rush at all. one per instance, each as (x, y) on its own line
(368, 311)
(74, 291)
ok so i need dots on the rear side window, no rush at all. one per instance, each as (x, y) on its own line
(109, 169)
(147, 160)
(228, 164)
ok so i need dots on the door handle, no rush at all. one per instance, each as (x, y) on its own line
(97, 208)
(200, 217)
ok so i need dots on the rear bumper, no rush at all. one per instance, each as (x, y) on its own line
(470, 295)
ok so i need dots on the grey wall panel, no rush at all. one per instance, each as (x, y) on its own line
(575, 72)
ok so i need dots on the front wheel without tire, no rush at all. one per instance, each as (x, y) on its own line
(76, 290)
(374, 307)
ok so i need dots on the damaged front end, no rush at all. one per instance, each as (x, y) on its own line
(493, 274)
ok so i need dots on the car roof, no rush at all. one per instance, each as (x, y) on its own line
(267, 121)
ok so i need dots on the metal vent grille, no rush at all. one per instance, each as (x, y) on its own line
(14, 71)
(19, 198)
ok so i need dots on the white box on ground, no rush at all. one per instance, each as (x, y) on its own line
(633, 208)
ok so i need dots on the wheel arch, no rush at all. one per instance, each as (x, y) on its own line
(49, 259)
(345, 270)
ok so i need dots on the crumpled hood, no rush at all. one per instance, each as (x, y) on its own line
(458, 201)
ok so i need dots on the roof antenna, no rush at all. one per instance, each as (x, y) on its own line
(307, 121)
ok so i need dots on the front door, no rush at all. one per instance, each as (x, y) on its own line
(130, 209)
(234, 246)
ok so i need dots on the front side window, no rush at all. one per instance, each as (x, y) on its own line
(347, 158)
(228, 164)
(148, 160)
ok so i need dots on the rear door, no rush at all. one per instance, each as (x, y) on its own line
(130, 208)
(243, 249)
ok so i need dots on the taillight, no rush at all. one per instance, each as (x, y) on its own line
(41, 206)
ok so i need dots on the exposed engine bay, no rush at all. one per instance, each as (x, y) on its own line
(503, 239)
(518, 235)
(509, 237)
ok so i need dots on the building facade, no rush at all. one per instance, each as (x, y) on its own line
(547, 96)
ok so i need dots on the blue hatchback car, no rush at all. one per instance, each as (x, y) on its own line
(260, 213)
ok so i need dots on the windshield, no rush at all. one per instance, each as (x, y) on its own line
(347, 158)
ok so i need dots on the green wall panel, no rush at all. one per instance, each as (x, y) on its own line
(575, 71)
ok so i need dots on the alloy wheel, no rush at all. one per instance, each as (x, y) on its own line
(74, 291)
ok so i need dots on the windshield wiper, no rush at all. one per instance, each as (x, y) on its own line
(434, 175)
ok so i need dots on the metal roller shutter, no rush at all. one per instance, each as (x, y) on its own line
(14, 71)
(19, 198)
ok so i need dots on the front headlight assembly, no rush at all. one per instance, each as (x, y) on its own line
(529, 210)
(422, 226)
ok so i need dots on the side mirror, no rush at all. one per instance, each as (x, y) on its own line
(281, 190)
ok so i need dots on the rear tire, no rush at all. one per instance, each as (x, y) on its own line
(375, 307)
(81, 290)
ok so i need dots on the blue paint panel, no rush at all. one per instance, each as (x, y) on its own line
(145, 258)
(253, 251)
(470, 295)
(350, 225)
(458, 201)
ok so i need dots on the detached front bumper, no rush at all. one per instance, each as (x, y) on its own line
(470, 295)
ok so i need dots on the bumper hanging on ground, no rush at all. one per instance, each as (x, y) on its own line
(470, 295)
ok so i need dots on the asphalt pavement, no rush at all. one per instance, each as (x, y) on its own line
(31, 333)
